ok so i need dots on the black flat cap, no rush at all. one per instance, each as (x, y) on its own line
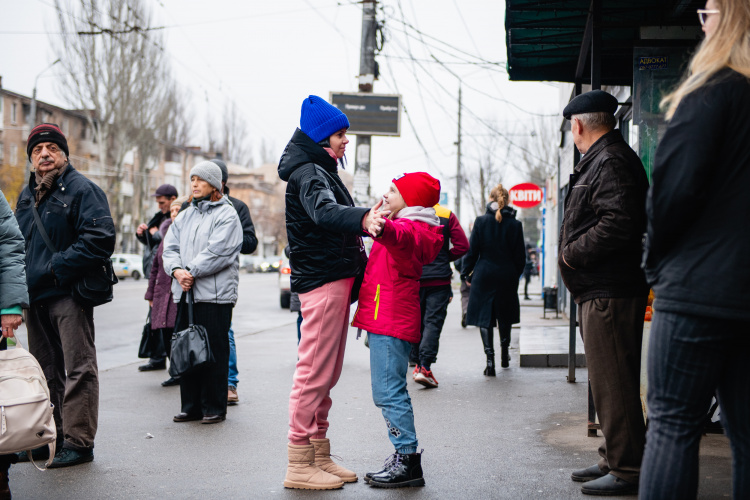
(596, 101)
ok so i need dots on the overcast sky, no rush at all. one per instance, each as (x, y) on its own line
(266, 57)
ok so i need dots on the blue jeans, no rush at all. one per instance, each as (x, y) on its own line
(233, 373)
(689, 359)
(389, 362)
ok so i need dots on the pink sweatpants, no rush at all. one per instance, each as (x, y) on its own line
(325, 313)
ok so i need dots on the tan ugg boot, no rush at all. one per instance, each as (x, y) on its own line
(302, 473)
(324, 462)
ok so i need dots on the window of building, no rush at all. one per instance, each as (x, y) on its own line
(13, 112)
(2, 114)
(13, 153)
(66, 126)
(2, 151)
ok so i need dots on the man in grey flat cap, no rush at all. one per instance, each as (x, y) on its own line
(599, 259)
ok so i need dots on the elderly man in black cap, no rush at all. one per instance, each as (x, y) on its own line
(599, 260)
(68, 228)
(249, 244)
(149, 235)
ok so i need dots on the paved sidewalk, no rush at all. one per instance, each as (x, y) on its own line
(517, 435)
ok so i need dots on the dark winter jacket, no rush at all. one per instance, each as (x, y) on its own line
(323, 226)
(249, 240)
(493, 266)
(151, 241)
(698, 239)
(13, 291)
(604, 222)
(455, 245)
(76, 216)
(163, 310)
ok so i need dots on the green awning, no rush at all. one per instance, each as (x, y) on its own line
(544, 37)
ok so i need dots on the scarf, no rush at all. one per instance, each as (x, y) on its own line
(421, 214)
(45, 182)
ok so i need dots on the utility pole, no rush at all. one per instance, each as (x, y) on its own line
(459, 179)
(32, 114)
(366, 81)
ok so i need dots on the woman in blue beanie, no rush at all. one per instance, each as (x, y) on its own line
(325, 231)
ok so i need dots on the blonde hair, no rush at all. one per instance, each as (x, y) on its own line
(728, 47)
(500, 195)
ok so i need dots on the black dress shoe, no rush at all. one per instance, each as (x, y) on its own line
(148, 367)
(67, 458)
(186, 417)
(610, 485)
(213, 419)
(404, 471)
(587, 474)
(170, 382)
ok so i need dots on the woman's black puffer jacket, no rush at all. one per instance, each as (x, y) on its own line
(323, 226)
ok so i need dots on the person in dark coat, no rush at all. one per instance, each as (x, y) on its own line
(492, 267)
(324, 231)
(149, 235)
(599, 261)
(696, 260)
(75, 214)
(249, 244)
(159, 292)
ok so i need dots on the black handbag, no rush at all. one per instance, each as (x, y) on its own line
(94, 288)
(146, 347)
(190, 347)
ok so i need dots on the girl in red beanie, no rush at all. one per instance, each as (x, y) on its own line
(389, 311)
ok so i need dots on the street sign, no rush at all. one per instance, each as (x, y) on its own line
(443, 198)
(370, 114)
(525, 195)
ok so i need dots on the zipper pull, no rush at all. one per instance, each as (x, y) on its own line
(377, 301)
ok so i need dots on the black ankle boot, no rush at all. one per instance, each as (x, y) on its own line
(504, 356)
(400, 471)
(490, 370)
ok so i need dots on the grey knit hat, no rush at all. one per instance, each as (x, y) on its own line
(209, 172)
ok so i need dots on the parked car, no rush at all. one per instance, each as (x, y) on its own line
(285, 283)
(250, 263)
(270, 264)
(127, 265)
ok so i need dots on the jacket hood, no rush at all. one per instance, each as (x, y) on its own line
(507, 211)
(421, 214)
(302, 150)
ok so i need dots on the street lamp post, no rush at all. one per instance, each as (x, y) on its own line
(32, 118)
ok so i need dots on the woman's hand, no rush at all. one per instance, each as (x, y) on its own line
(10, 322)
(184, 278)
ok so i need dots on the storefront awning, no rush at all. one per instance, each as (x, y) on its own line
(545, 38)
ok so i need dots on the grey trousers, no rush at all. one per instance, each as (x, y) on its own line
(612, 330)
(61, 337)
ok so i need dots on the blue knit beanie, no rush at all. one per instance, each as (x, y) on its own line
(320, 120)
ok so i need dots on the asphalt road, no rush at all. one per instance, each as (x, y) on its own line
(515, 436)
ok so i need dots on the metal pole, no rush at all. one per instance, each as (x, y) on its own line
(366, 81)
(32, 117)
(596, 45)
(459, 179)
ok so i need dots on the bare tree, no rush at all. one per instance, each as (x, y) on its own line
(235, 144)
(268, 151)
(487, 171)
(538, 163)
(115, 72)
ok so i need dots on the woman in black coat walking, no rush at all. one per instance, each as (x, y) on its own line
(493, 267)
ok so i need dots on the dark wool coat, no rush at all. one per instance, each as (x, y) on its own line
(75, 214)
(163, 310)
(494, 265)
(323, 226)
(698, 237)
